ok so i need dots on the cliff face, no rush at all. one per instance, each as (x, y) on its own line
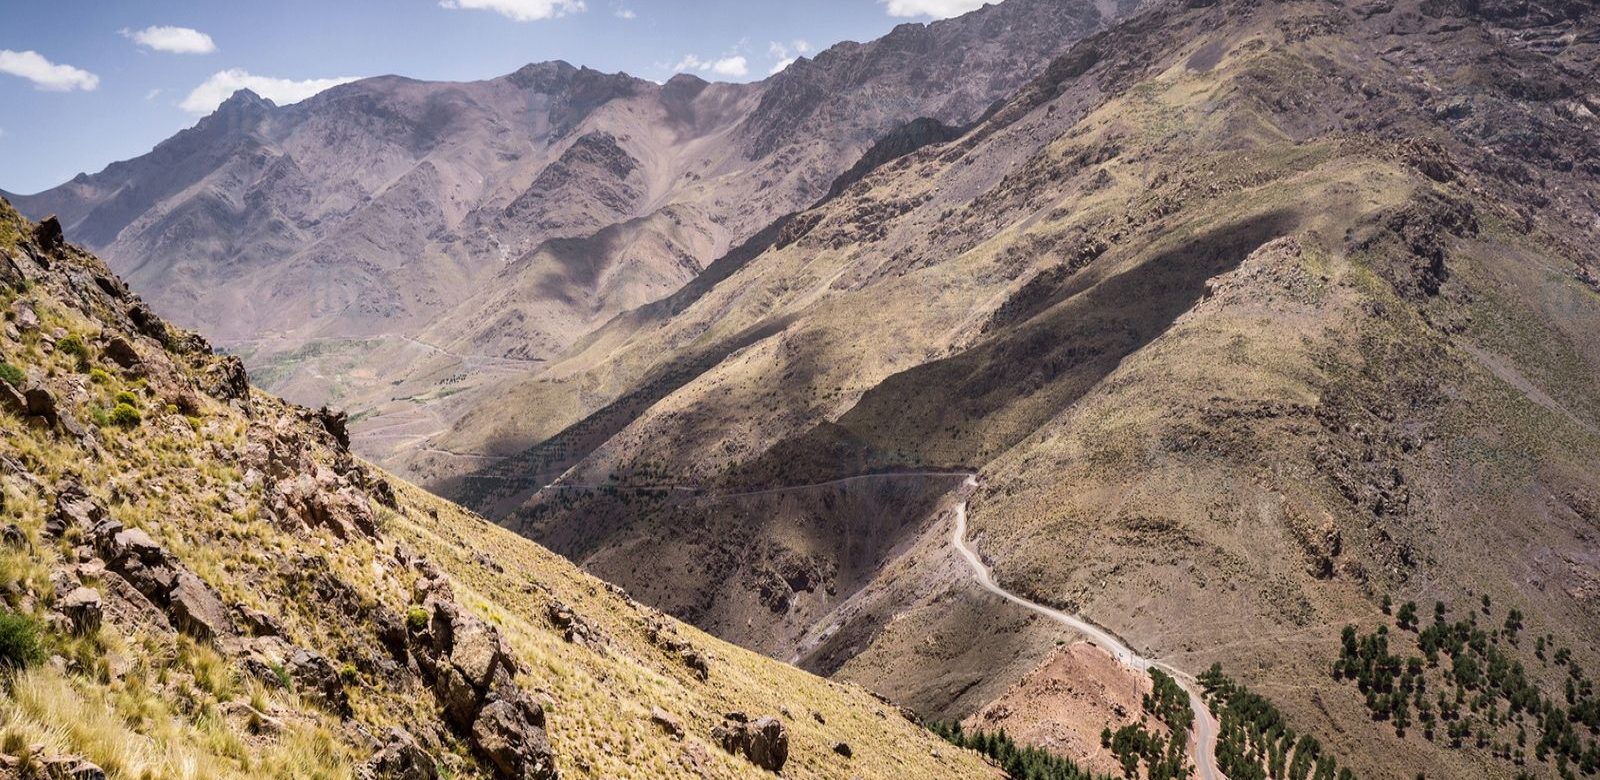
(199, 580)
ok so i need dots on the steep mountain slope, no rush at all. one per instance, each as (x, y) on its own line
(200, 581)
(390, 243)
(1245, 314)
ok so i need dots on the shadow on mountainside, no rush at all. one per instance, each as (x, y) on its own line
(1015, 381)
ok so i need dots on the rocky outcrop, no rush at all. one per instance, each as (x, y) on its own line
(189, 603)
(573, 627)
(74, 508)
(121, 352)
(764, 741)
(471, 671)
(665, 636)
(36, 763)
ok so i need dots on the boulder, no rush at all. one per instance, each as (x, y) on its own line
(69, 768)
(12, 534)
(256, 622)
(41, 404)
(668, 724)
(477, 650)
(764, 741)
(48, 234)
(147, 322)
(400, 758)
(119, 351)
(83, 607)
(197, 610)
(226, 380)
(74, 508)
(26, 318)
(510, 734)
(843, 749)
(12, 400)
(130, 544)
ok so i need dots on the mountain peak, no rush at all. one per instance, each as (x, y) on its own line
(245, 98)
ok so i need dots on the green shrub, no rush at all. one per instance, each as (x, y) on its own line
(74, 346)
(416, 618)
(126, 398)
(12, 375)
(125, 416)
(283, 677)
(99, 376)
(100, 417)
(19, 641)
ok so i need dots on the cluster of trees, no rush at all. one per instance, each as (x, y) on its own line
(1019, 762)
(1164, 757)
(1484, 697)
(1168, 701)
(1256, 741)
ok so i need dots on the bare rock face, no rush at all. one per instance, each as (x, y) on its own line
(314, 674)
(336, 423)
(764, 741)
(227, 381)
(196, 609)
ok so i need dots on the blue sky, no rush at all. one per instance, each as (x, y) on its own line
(87, 82)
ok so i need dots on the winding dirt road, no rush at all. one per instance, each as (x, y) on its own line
(1205, 726)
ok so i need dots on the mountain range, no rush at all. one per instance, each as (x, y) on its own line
(390, 243)
(1254, 342)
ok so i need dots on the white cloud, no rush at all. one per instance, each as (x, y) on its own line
(45, 74)
(731, 66)
(938, 9)
(625, 13)
(175, 40)
(786, 53)
(691, 63)
(205, 98)
(520, 10)
(153, 94)
(734, 65)
(794, 48)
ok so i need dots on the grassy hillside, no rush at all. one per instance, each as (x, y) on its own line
(272, 607)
